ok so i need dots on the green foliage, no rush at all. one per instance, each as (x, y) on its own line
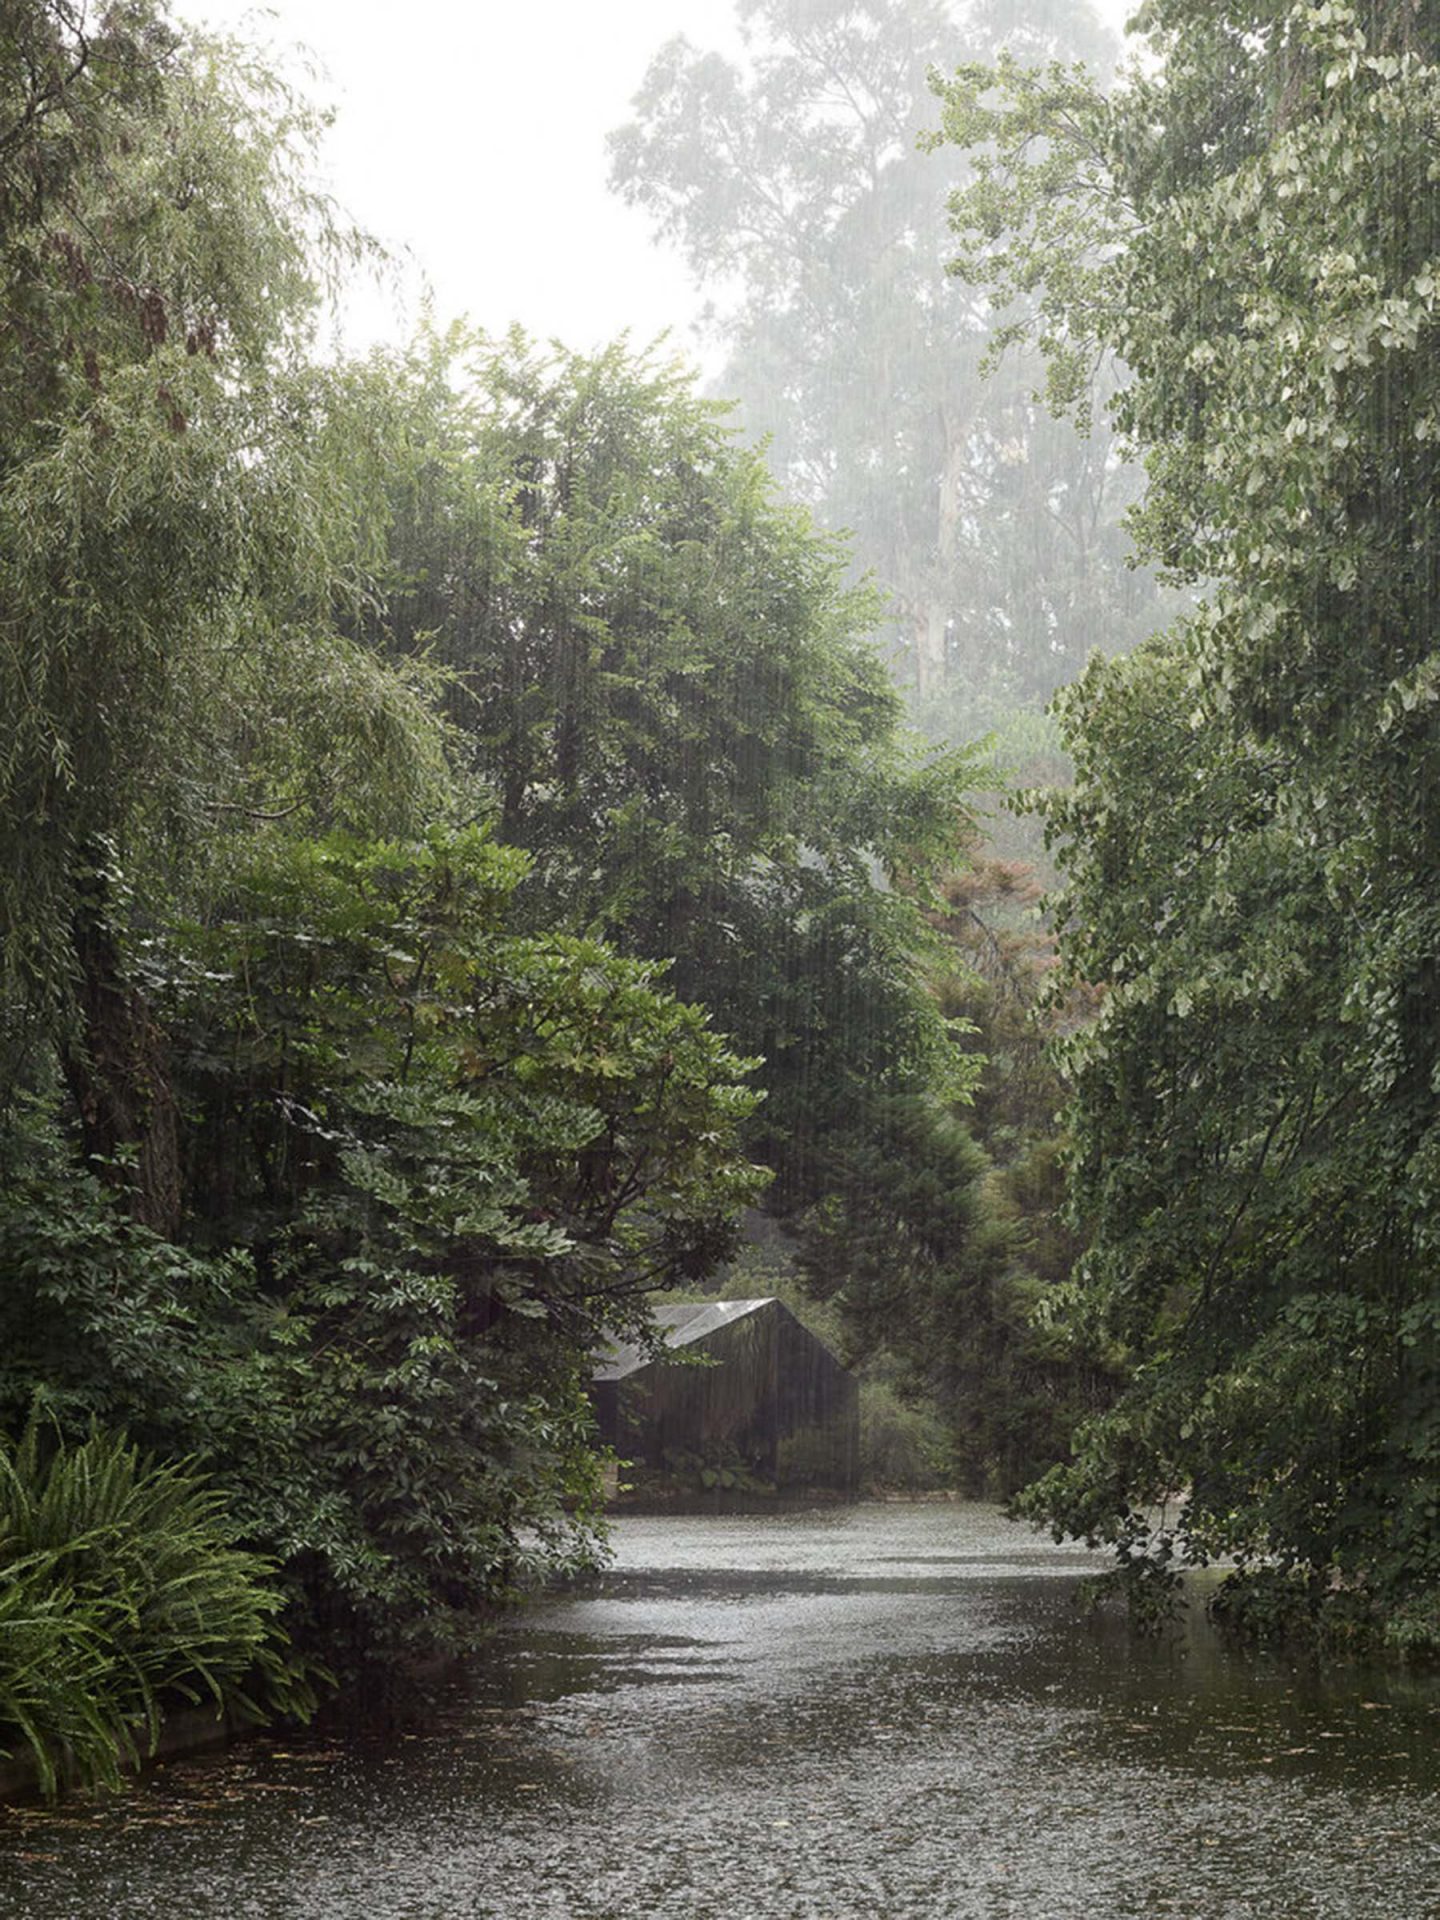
(1250, 846)
(145, 318)
(905, 1444)
(428, 1162)
(121, 1591)
(66, 86)
(668, 690)
(532, 1097)
(1293, 1604)
(791, 180)
(937, 1257)
(336, 1132)
(653, 656)
(173, 536)
(1412, 1628)
(321, 1166)
(1145, 1581)
(720, 1467)
(330, 1157)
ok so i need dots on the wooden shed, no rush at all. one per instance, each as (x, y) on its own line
(740, 1395)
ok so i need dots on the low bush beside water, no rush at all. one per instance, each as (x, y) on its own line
(122, 1592)
(1314, 1611)
(904, 1447)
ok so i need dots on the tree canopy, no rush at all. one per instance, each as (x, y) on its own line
(324, 1166)
(667, 691)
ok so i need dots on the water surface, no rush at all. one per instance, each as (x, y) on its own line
(875, 1711)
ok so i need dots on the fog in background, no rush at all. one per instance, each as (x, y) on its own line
(470, 138)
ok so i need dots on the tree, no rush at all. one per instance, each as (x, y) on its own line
(1014, 1377)
(1254, 1110)
(169, 550)
(672, 704)
(68, 84)
(670, 694)
(795, 180)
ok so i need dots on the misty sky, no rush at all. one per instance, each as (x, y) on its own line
(472, 133)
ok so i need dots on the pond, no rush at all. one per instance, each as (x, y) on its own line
(877, 1711)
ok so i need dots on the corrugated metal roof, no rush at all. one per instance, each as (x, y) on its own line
(677, 1326)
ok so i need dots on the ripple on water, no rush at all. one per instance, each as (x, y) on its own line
(874, 1711)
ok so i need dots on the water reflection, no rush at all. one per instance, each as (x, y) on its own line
(876, 1711)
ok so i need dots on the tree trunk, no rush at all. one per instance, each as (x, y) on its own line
(931, 615)
(117, 1075)
(930, 619)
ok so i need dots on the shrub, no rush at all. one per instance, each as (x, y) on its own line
(903, 1444)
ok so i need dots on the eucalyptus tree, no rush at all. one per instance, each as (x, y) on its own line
(792, 183)
(1251, 847)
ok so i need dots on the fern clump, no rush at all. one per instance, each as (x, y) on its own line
(121, 1591)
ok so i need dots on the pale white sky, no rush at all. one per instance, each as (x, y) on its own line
(472, 133)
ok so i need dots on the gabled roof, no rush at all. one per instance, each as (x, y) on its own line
(677, 1327)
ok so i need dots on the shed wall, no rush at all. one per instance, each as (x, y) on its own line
(768, 1397)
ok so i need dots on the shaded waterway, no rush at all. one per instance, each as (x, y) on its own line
(881, 1711)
